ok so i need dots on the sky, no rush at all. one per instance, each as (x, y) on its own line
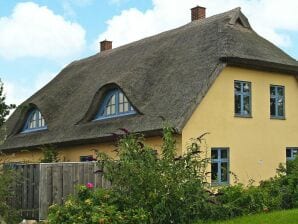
(38, 38)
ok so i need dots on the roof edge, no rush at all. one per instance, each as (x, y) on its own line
(78, 142)
(207, 85)
(261, 65)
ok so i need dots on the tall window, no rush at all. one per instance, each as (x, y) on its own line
(35, 122)
(114, 104)
(291, 153)
(219, 166)
(277, 101)
(242, 91)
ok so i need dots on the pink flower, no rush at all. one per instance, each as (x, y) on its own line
(90, 185)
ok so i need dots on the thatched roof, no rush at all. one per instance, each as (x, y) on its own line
(164, 75)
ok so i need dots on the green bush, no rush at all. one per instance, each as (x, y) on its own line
(146, 188)
(93, 206)
(8, 178)
(280, 192)
(170, 188)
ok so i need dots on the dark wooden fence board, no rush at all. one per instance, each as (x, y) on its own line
(44, 184)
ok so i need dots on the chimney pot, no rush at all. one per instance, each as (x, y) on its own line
(198, 13)
(105, 45)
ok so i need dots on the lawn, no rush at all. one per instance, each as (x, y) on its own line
(279, 217)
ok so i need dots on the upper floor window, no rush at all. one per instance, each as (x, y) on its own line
(242, 91)
(277, 101)
(114, 104)
(35, 122)
(219, 166)
(291, 153)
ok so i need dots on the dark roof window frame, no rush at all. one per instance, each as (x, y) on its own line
(37, 120)
(111, 103)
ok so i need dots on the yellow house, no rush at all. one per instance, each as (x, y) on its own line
(212, 75)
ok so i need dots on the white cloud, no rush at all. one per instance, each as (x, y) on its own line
(16, 92)
(270, 18)
(35, 31)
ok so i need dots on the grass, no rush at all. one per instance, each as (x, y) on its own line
(279, 217)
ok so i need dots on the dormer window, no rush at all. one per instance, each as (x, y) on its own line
(35, 122)
(114, 104)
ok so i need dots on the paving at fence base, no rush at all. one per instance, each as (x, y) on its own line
(44, 184)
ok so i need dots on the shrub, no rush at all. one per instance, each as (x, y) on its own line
(50, 154)
(93, 206)
(169, 187)
(8, 178)
(146, 188)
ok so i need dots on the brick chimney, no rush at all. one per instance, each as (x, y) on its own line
(197, 13)
(105, 45)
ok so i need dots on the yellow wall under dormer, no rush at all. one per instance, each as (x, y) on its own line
(73, 153)
(257, 145)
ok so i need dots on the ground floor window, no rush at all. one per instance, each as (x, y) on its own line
(219, 166)
(86, 158)
(291, 153)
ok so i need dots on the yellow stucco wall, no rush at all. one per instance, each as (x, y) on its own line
(73, 153)
(257, 145)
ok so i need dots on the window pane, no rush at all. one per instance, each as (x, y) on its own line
(121, 97)
(113, 100)
(237, 86)
(125, 99)
(246, 87)
(237, 104)
(272, 91)
(224, 172)
(280, 91)
(121, 106)
(125, 107)
(113, 109)
(214, 154)
(295, 152)
(289, 153)
(224, 154)
(280, 106)
(272, 107)
(214, 172)
(108, 110)
(246, 105)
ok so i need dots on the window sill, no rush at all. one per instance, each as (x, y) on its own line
(242, 116)
(34, 130)
(223, 184)
(114, 116)
(278, 118)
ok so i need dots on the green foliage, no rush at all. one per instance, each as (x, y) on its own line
(8, 178)
(277, 217)
(93, 206)
(146, 188)
(170, 187)
(280, 192)
(4, 108)
(50, 155)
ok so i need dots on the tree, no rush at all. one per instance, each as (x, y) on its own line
(4, 108)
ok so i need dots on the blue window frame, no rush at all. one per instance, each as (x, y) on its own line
(242, 93)
(35, 122)
(219, 166)
(114, 104)
(277, 101)
(291, 153)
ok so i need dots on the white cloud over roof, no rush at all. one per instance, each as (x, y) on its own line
(36, 31)
(270, 18)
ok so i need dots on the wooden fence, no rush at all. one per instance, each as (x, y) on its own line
(41, 185)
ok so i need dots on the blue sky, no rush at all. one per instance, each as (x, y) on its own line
(40, 37)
